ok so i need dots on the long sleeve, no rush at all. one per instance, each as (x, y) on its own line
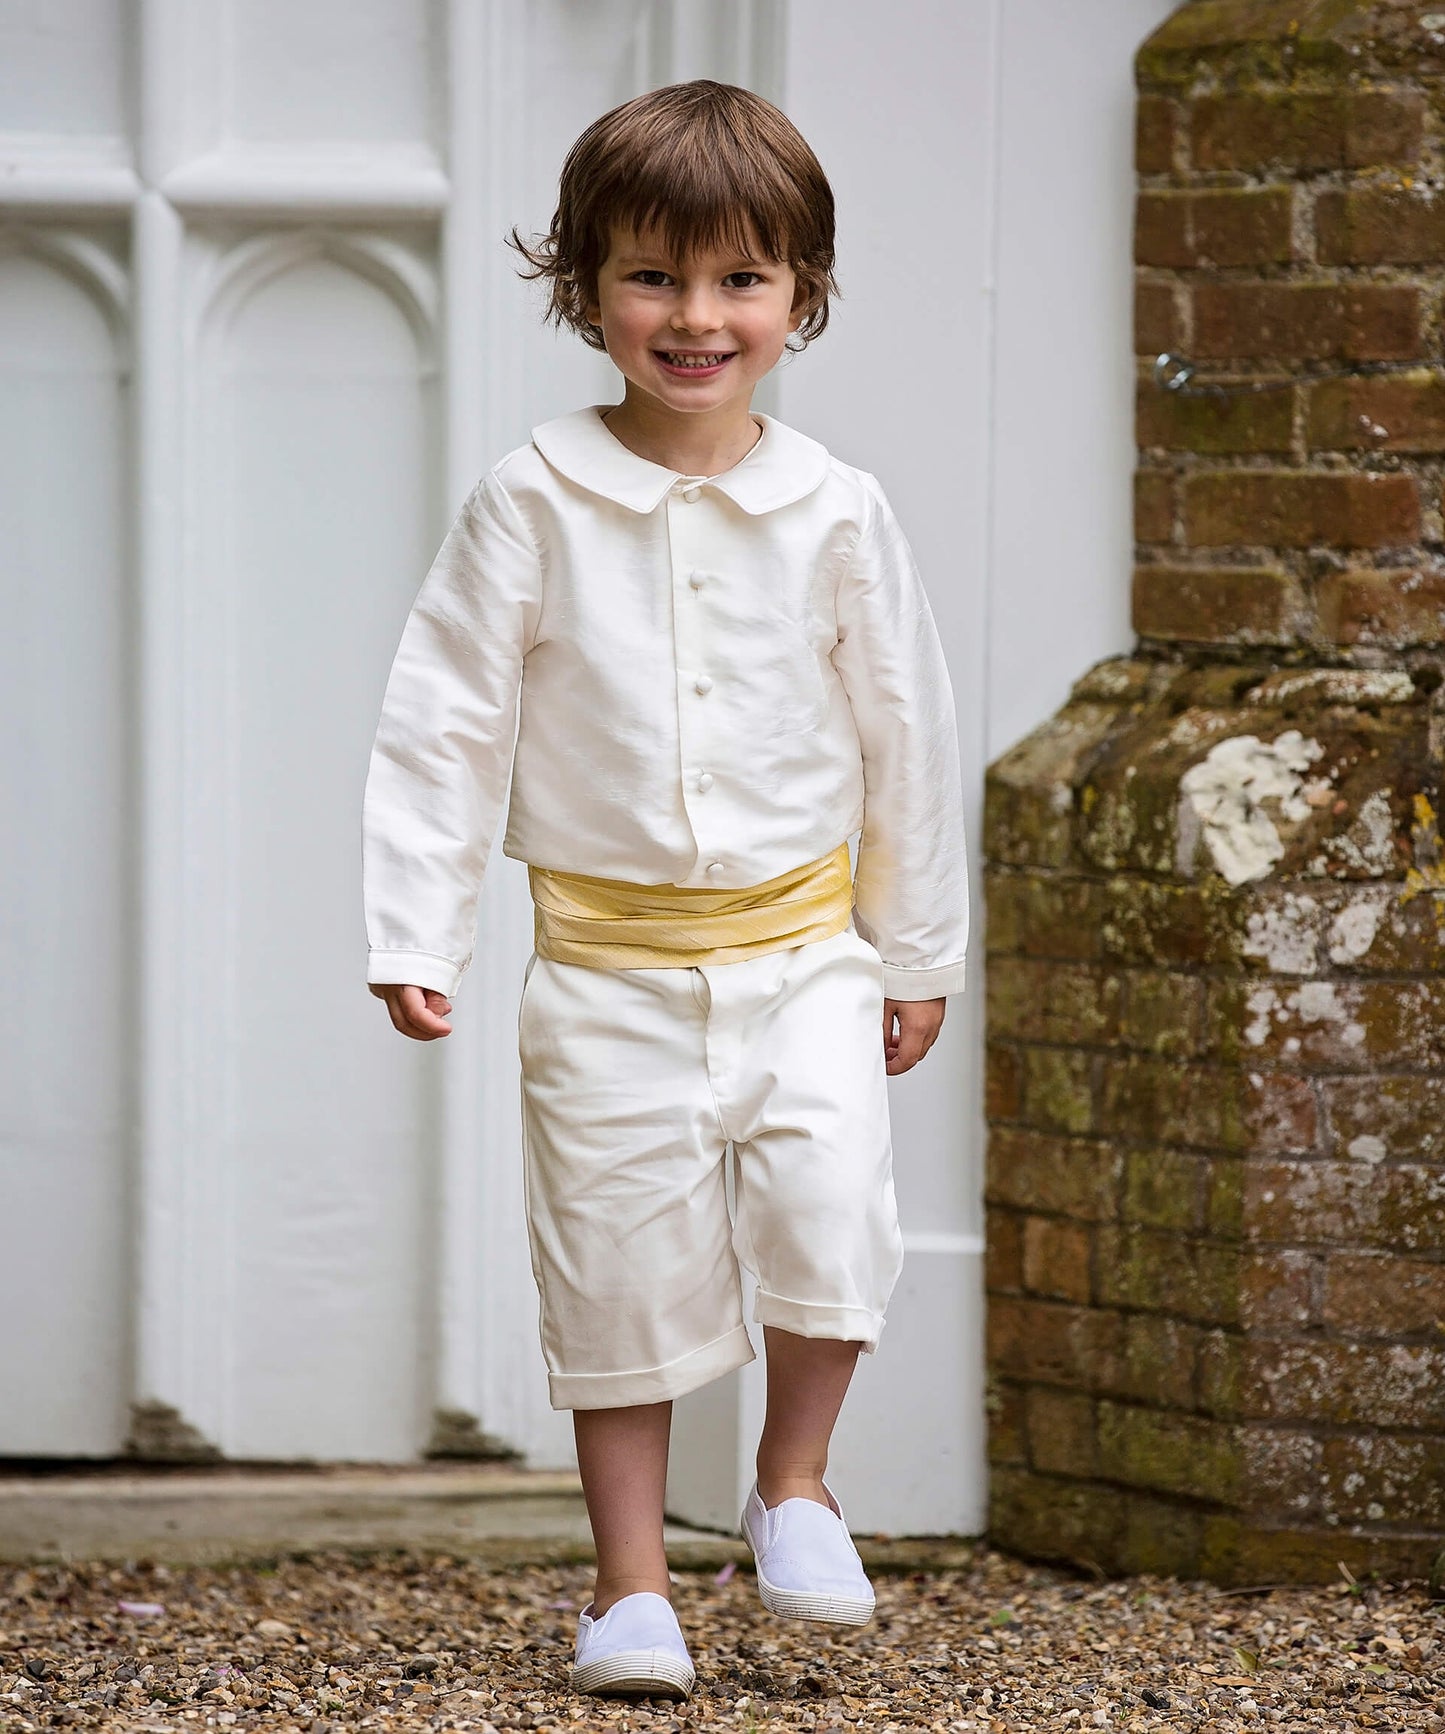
(442, 756)
(912, 873)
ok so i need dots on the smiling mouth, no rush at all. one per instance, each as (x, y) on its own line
(695, 357)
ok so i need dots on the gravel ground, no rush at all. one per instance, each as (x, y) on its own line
(333, 1642)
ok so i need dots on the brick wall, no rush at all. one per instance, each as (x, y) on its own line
(1216, 893)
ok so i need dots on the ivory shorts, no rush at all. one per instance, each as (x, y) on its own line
(633, 1084)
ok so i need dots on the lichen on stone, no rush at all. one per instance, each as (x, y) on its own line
(1222, 802)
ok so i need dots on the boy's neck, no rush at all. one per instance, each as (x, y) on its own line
(705, 444)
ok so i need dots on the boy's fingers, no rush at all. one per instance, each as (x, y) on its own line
(919, 1022)
(414, 1011)
(423, 1022)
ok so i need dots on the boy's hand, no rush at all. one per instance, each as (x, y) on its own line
(910, 1028)
(418, 1012)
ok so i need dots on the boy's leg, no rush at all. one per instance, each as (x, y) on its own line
(622, 1456)
(807, 1381)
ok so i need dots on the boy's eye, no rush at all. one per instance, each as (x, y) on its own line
(753, 276)
(651, 279)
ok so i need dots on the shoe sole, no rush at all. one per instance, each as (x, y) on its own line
(808, 1605)
(635, 1673)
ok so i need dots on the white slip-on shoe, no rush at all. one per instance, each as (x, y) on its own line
(636, 1649)
(808, 1567)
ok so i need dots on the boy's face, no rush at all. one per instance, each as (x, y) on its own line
(694, 334)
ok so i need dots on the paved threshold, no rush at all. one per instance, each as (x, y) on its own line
(493, 1512)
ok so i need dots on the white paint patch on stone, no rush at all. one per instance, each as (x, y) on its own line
(1353, 930)
(1367, 1148)
(1285, 936)
(1222, 801)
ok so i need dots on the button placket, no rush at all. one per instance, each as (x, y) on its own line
(687, 530)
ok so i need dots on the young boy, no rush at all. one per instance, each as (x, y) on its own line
(708, 639)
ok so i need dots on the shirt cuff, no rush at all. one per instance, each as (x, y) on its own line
(900, 982)
(413, 969)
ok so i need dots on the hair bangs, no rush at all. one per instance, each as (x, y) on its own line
(692, 167)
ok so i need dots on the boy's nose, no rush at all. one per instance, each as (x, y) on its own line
(697, 313)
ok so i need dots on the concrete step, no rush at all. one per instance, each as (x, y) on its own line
(497, 1513)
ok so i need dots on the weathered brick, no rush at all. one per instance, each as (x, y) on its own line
(1159, 1358)
(1224, 1196)
(1395, 1384)
(1381, 1295)
(1004, 1409)
(1221, 226)
(1156, 127)
(1028, 795)
(1060, 1428)
(1405, 413)
(1149, 1101)
(1057, 1092)
(1004, 1252)
(1391, 609)
(1373, 1477)
(1247, 422)
(1380, 226)
(1036, 1171)
(1058, 1256)
(1047, 1517)
(1219, 1371)
(1330, 1026)
(1033, 1001)
(1161, 1537)
(1129, 812)
(1163, 1013)
(1284, 322)
(1053, 1343)
(1003, 1082)
(1279, 1468)
(1300, 508)
(1149, 921)
(1153, 506)
(1240, 1550)
(1168, 1453)
(1346, 1204)
(1044, 915)
(1336, 129)
(1215, 604)
(1158, 328)
(1401, 1119)
(1165, 1189)
(1154, 1272)
(1276, 1290)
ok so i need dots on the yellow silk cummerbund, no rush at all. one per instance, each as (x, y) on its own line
(611, 924)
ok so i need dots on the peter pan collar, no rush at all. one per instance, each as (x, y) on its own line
(782, 467)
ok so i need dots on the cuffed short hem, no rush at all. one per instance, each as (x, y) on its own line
(809, 1319)
(724, 1354)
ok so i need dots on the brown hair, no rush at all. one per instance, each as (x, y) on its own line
(708, 165)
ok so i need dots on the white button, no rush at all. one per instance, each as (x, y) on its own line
(704, 782)
(703, 684)
(691, 494)
(697, 579)
(716, 867)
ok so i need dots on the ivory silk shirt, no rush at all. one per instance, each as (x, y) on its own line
(709, 681)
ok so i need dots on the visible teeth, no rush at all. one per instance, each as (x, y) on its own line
(695, 360)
